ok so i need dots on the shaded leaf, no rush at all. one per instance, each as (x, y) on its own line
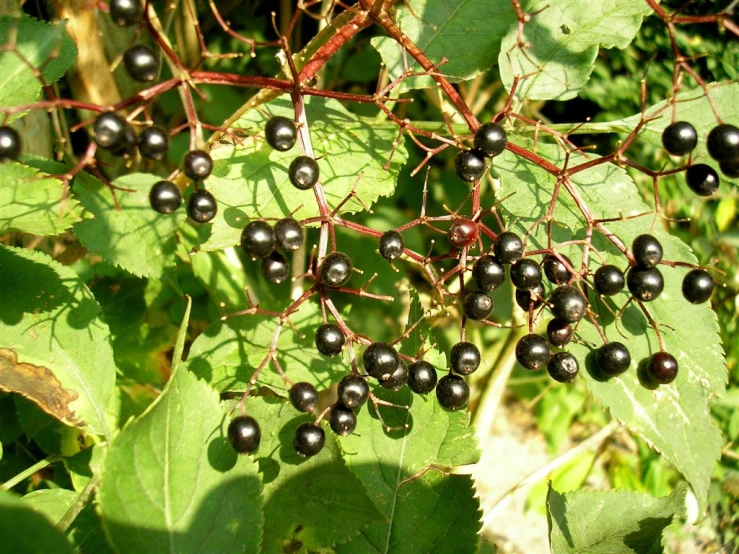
(24, 530)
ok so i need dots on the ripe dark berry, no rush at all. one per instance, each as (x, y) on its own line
(197, 165)
(679, 138)
(303, 172)
(110, 131)
(336, 270)
(568, 303)
(532, 351)
(452, 392)
(308, 440)
(125, 12)
(202, 206)
(329, 339)
(645, 284)
(129, 141)
(421, 377)
(464, 358)
(647, 251)
(153, 142)
(397, 379)
(165, 197)
(525, 274)
(244, 434)
(697, 286)
(141, 63)
(702, 179)
(612, 359)
(304, 397)
(555, 270)
(289, 234)
(723, 142)
(391, 245)
(730, 168)
(10, 144)
(530, 299)
(281, 133)
(342, 420)
(463, 232)
(353, 391)
(508, 248)
(477, 305)
(258, 239)
(662, 368)
(488, 273)
(380, 360)
(609, 280)
(275, 268)
(490, 139)
(563, 367)
(469, 165)
(559, 332)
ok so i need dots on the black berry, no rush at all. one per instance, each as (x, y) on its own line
(304, 397)
(308, 440)
(490, 139)
(452, 392)
(258, 239)
(508, 248)
(244, 434)
(421, 377)
(488, 273)
(697, 286)
(647, 251)
(197, 164)
(563, 367)
(141, 63)
(525, 274)
(532, 351)
(612, 359)
(397, 379)
(281, 133)
(680, 138)
(559, 332)
(303, 172)
(165, 197)
(567, 304)
(391, 245)
(477, 305)
(463, 232)
(110, 131)
(555, 270)
(469, 165)
(342, 420)
(730, 168)
(723, 142)
(645, 284)
(329, 339)
(289, 234)
(464, 358)
(154, 142)
(662, 368)
(609, 280)
(530, 299)
(10, 144)
(275, 268)
(202, 206)
(380, 360)
(125, 13)
(702, 179)
(336, 270)
(353, 391)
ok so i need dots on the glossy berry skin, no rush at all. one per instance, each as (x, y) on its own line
(530, 299)
(568, 304)
(197, 164)
(647, 251)
(452, 392)
(258, 240)
(469, 165)
(525, 274)
(303, 172)
(202, 206)
(353, 391)
(109, 131)
(477, 305)
(612, 359)
(563, 367)
(336, 270)
(559, 332)
(662, 368)
(154, 143)
(422, 377)
(391, 245)
(275, 268)
(723, 142)
(308, 440)
(125, 13)
(141, 63)
(508, 248)
(697, 286)
(303, 397)
(281, 133)
(463, 232)
(490, 139)
(608, 280)
(342, 420)
(165, 197)
(555, 270)
(488, 273)
(464, 358)
(679, 138)
(329, 339)
(532, 351)
(730, 168)
(244, 434)
(645, 284)
(380, 360)
(10, 144)
(397, 379)
(702, 179)
(289, 234)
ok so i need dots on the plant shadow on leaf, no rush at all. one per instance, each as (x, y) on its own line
(220, 454)
(643, 376)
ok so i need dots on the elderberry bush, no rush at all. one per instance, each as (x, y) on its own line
(278, 264)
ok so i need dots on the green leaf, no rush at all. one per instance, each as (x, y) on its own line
(424, 509)
(610, 522)
(314, 502)
(32, 201)
(223, 275)
(250, 179)
(25, 531)
(435, 26)
(55, 349)
(562, 41)
(134, 237)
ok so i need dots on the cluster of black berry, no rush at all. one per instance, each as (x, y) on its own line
(260, 240)
(490, 140)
